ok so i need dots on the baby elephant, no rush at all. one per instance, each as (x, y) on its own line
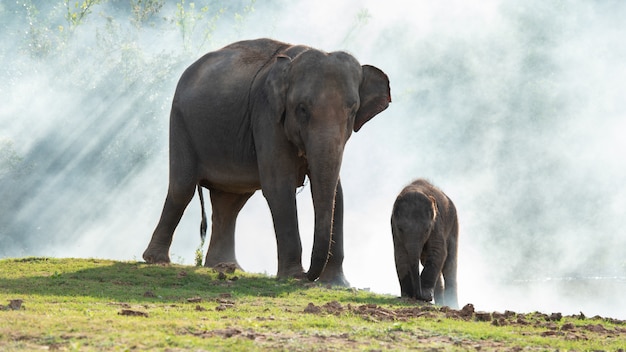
(424, 227)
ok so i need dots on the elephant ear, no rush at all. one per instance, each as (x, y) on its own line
(375, 95)
(433, 204)
(276, 86)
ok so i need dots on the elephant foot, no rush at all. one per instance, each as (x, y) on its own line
(334, 278)
(156, 255)
(225, 267)
(426, 295)
(296, 272)
(215, 261)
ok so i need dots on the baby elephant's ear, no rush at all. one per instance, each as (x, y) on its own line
(433, 202)
(375, 95)
(276, 85)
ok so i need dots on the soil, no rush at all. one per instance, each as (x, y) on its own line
(14, 304)
(548, 325)
(537, 319)
(133, 313)
(542, 321)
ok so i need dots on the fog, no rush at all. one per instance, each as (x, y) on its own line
(515, 109)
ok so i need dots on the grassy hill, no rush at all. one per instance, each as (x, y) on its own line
(93, 304)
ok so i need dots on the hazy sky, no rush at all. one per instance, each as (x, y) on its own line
(515, 109)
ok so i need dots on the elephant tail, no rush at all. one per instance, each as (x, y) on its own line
(203, 225)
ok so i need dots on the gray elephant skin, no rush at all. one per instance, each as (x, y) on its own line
(425, 227)
(262, 114)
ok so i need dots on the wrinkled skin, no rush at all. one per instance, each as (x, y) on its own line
(262, 114)
(425, 227)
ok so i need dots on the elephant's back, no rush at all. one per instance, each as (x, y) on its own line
(228, 71)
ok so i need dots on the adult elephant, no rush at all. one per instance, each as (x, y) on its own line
(263, 114)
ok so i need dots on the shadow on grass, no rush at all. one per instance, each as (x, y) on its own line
(124, 281)
(141, 282)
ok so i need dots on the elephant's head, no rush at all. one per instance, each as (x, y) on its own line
(320, 98)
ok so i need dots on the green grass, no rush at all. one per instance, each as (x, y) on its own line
(92, 304)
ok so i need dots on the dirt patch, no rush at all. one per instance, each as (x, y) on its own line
(547, 325)
(224, 304)
(372, 312)
(279, 340)
(14, 304)
(224, 333)
(133, 313)
(550, 322)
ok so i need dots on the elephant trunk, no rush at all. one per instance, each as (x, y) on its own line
(414, 273)
(324, 168)
(414, 250)
(424, 284)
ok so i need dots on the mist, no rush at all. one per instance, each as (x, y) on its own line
(515, 110)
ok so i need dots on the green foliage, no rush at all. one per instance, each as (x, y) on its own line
(187, 18)
(240, 18)
(39, 37)
(143, 10)
(199, 254)
(77, 11)
(195, 21)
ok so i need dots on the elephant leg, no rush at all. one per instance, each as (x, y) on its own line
(407, 268)
(178, 197)
(282, 203)
(449, 275)
(182, 186)
(408, 275)
(225, 208)
(333, 272)
(432, 262)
